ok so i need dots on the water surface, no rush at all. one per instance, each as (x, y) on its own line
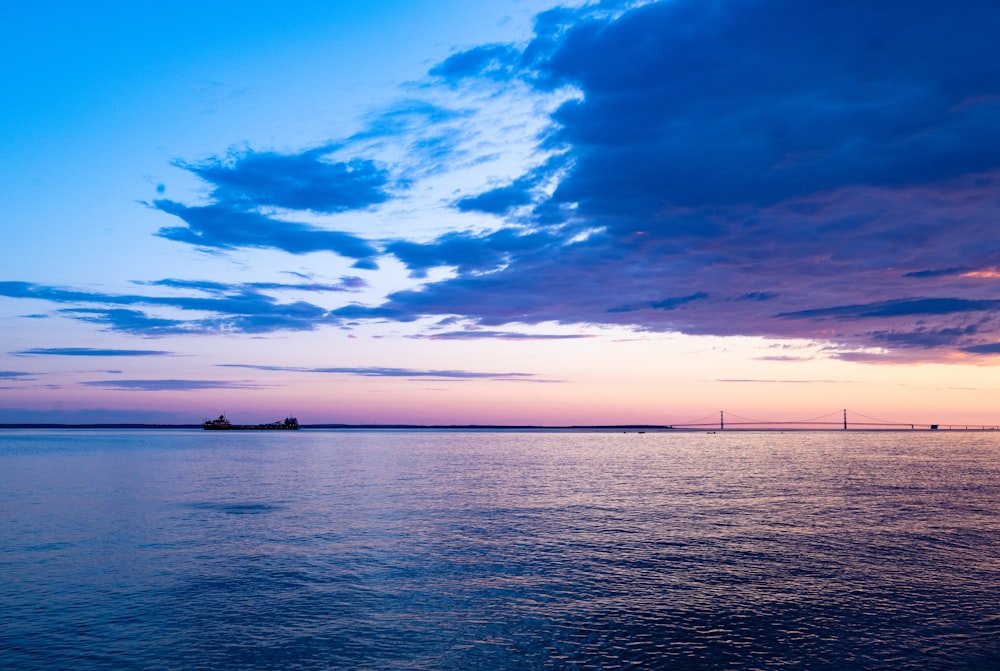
(499, 550)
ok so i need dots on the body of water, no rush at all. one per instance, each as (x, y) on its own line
(499, 550)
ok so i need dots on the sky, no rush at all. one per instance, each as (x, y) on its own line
(513, 212)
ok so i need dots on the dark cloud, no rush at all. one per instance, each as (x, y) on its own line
(926, 337)
(303, 181)
(45, 293)
(897, 308)
(355, 311)
(91, 351)
(378, 371)
(943, 272)
(828, 171)
(497, 201)
(247, 186)
(170, 385)
(223, 226)
(698, 104)
(987, 348)
(468, 252)
(226, 309)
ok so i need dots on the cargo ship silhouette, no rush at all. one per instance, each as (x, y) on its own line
(223, 424)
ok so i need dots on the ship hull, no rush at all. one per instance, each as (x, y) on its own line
(223, 424)
(250, 427)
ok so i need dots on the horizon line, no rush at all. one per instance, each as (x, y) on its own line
(763, 426)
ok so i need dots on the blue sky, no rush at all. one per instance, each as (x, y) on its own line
(524, 212)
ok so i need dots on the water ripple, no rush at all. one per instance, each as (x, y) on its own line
(506, 550)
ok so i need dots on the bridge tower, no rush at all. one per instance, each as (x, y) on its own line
(845, 419)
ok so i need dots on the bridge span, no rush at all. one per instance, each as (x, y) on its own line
(843, 420)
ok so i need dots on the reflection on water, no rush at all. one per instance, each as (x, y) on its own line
(490, 550)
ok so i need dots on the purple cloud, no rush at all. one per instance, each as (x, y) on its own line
(170, 385)
(896, 308)
(827, 172)
(381, 371)
(91, 351)
(987, 348)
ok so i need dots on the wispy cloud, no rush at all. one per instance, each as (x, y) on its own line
(501, 335)
(414, 373)
(231, 309)
(15, 375)
(171, 385)
(90, 351)
(348, 283)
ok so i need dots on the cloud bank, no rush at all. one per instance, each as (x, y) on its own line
(826, 171)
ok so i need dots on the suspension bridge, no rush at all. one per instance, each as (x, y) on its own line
(843, 420)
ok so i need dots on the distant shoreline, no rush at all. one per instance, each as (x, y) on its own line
(626, 428)
(435, 427)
